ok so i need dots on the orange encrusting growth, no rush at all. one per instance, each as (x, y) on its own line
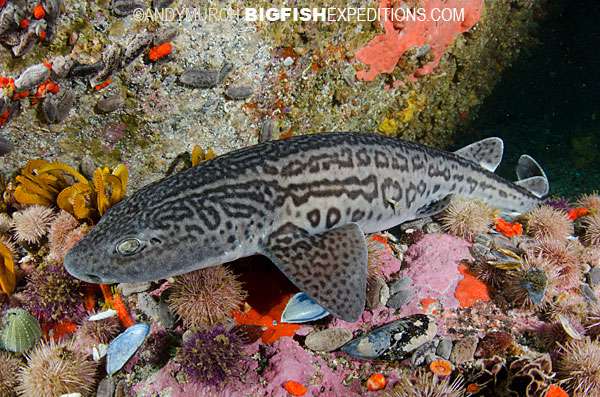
(576, 213)
(376, 382)
(102, 85)
(470, 289)
(556, 391)
(61, 330)
(295, 388)
(89, 301)
(38, 11)
(441, 368)
(508, 229)
(117, 303)
(271, 321)
(160, 51)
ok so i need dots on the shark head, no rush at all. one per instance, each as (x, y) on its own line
(135, 242)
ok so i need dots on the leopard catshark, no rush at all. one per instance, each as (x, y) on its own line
(304, 202)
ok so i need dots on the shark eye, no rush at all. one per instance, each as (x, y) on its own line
(129, 246)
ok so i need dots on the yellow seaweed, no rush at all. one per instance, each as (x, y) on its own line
(7, 269)
(199, 155)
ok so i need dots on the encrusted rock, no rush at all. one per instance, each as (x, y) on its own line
(111, 59)
(400, 299)
(432, 227)
(205, 78)
(158, 311)
(425, 354)
(328, 340)
(594, 277)
(82, 69)
(160, 4)
(55, 108)
(464, 349)
(238, 92)
(32, 77)
(401, 284)
(122, 8)
(110, 104)
(106, 387)
(588, 293)
(444, 348)
(395, 340)
(5, 146)
(136, 46)
(378, 292)
(417, 224)
(61, 65)
(133, 288)
(7, 18)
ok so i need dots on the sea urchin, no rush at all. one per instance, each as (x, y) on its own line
(210, 357)
(591, 224)
(32, 223)
(54, 295)
(467, 218)
(9, 370)
(545, 222)
(206, 297)
(54, 369)
(579, 365)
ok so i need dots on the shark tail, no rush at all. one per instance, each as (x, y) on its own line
(532, 177)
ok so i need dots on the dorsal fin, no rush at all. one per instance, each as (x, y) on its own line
(532, 177)
(487, 153)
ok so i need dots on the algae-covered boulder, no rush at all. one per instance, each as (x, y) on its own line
(142, 85)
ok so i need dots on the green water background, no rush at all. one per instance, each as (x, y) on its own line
(548, 103)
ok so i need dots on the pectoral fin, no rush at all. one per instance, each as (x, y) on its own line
(331, 267)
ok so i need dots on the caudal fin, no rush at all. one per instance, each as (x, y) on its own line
(532, 177)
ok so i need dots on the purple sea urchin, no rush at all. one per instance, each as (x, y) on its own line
(210, 357)
(425, 384)
(546, 222)
(9, 371)
(55, 369)
(591, 225)
(32, 223)
(467, 218)
(579, 365)
(206, 297)
(54, 295)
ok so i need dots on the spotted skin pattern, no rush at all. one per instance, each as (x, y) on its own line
(237, 204)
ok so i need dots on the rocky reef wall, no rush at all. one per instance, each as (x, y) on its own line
(141, 89)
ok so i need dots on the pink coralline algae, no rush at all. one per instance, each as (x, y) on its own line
(433, 266)
(292, 362)
(383, 52)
